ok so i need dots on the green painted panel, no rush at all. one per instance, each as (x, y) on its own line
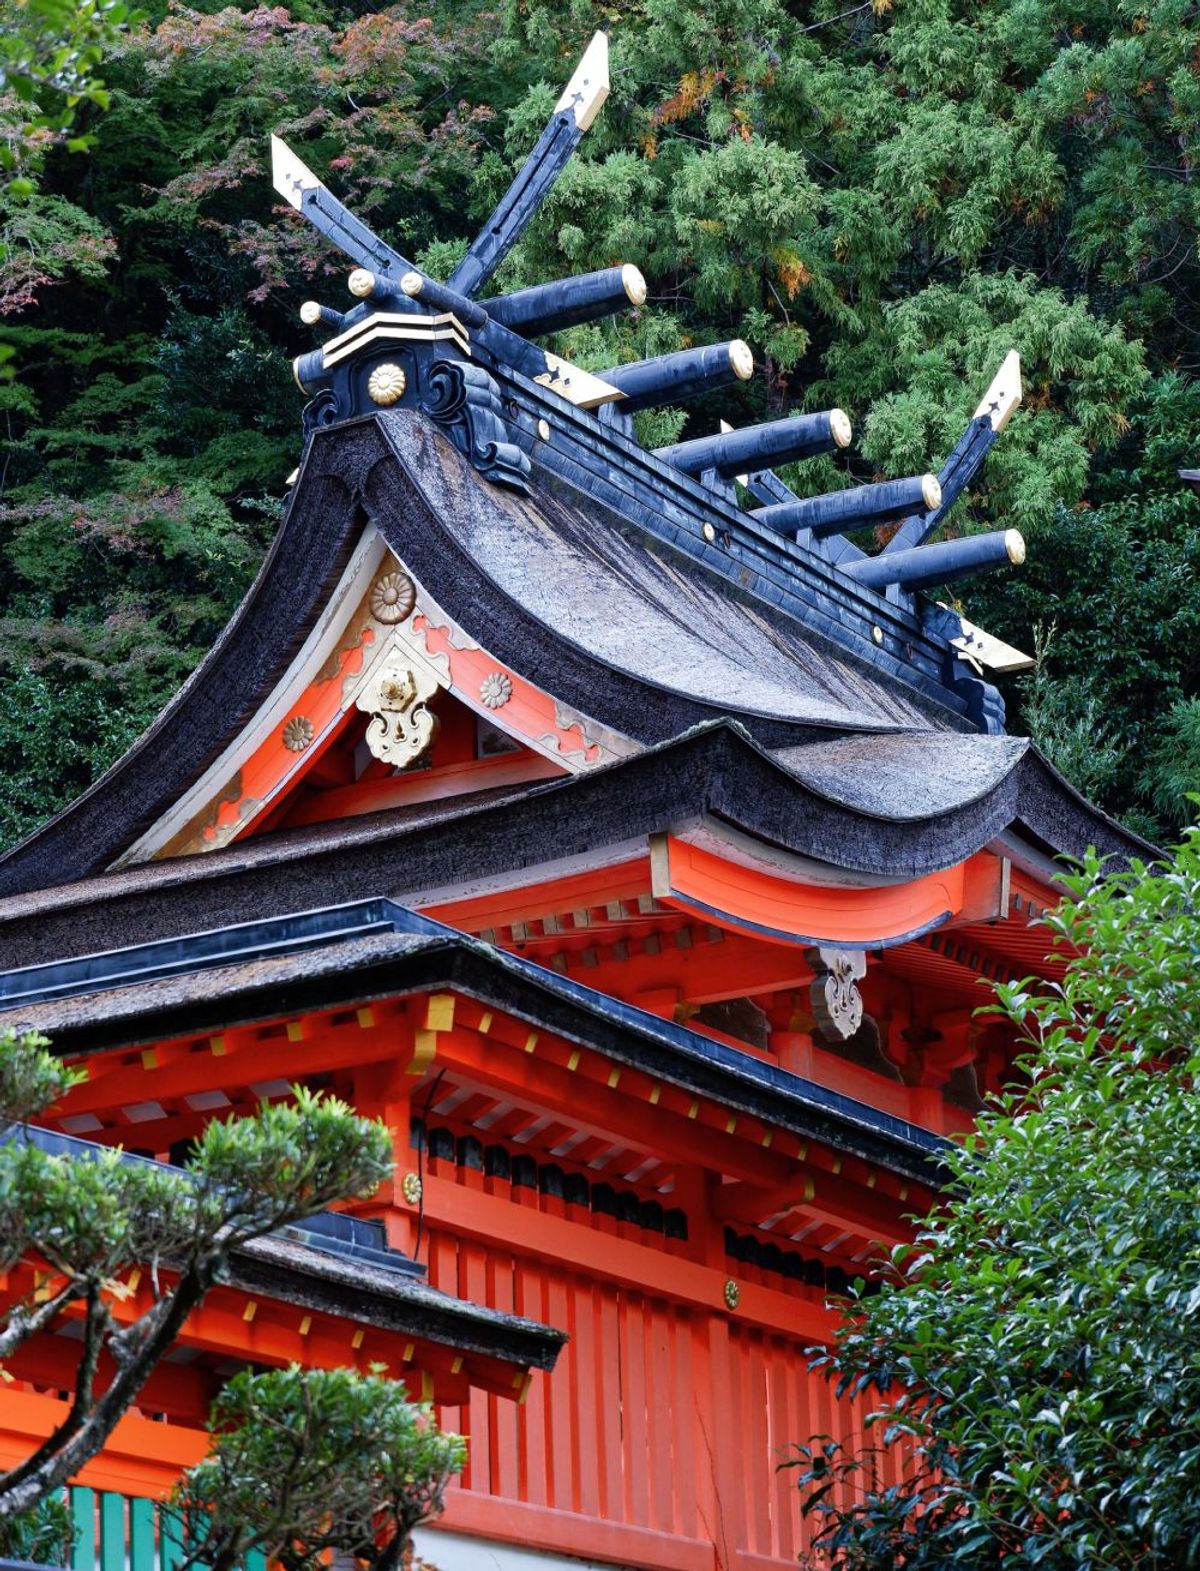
(83, 1519)
(112, 1532)
(141, 1535)
(170, 1539)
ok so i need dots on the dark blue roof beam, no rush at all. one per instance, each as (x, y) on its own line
(995, 410)
(573, 114)
(855, 508)
(297, 184)
(673, 379)
(733, 453)
(924, 567)
(508, 347)
(548, 308)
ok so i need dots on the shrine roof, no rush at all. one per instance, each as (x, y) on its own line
(896, 806)
(640, 625)
(315, 1269)
(678, 629)
(378, 949)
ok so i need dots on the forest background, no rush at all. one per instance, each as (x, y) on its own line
(881, 198)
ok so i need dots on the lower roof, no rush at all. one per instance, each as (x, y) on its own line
(378, 949)
(310, 1267)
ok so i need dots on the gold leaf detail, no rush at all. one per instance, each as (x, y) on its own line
(392, 597)
(387, 382)
(298, 733)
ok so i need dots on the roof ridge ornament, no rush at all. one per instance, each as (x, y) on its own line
(410, 341)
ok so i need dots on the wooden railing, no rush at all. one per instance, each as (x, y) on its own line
(121, 1533)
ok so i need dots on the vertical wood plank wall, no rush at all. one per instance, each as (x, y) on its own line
(659, 1416)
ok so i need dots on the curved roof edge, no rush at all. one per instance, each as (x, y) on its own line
(717, 769)
(754, 658)
(385, 950)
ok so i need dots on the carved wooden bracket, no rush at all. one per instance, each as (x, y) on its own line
(837, 1004)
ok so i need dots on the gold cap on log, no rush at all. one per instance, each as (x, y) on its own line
(840, 428)
(310, 313)
(361, 283)
(931, 492)
(634, 284)
(1014, 544)
(741, 360)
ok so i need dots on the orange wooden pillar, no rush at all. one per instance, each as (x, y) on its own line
(718, 1442)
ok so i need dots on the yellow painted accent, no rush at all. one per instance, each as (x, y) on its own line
(5, 1376)
(135, 1276)
(525, 1382)
(149, 1058)
(409, 1350)
(694, 1110)
(424, 1051)
(216, 1046)
(250, 1311)
(485, 1022)
(837, 1164)
(356, 1341)
(365, 1017)
(295, 1031)
(767, 1138)
(904, 1191)
(531, 1041)
(456, 1366)
(655, 1093)
(801, 1151)
(573, 1061)
(426, 1386)
(731, 1123)
(871, 1177)
(439, 1012)
(306, 1325)
(614, 1079)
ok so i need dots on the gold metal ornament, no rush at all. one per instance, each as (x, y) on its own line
(733, 1294)
(387, 382)
(392, 597)
(401, 727)
(410, 1188)
(495, 690)
(298, 733)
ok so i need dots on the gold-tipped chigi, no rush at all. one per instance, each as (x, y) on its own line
(588, 88)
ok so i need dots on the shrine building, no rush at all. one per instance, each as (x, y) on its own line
(629, 833)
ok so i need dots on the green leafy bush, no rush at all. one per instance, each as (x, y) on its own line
(1033, 1354)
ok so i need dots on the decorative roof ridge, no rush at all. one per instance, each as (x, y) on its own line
(474, 367)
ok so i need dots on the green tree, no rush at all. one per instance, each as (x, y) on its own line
(1033, 1355)
(308, 1462)
(881, 198)
(89, 1219)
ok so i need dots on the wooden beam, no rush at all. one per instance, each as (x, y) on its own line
(535, 1085)
(578, 1247)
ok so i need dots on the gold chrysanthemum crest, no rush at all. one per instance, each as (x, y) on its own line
(387, 382)
(392, 597)
(298, 733)
(496, 689)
